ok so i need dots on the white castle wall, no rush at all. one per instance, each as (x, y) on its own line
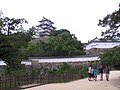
(102, 45)
(79, 59)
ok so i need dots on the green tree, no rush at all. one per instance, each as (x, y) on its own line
(56, 32)
(112, 22)
(31, 31)
(111, 57)
(65, 44)
(60, 43)
(13, 49)
(37, 48)
(10, 25)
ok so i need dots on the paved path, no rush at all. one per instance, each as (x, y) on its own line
(84, 84)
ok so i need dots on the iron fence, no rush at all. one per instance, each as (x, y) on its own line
(11, 82)
(44, 73)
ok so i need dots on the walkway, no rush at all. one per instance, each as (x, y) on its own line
(84, 84)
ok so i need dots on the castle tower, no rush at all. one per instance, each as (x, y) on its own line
(44, 28)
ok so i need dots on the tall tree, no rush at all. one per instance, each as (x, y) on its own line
(13, 49)
(112, 22)
(9, 25)
(12, 46)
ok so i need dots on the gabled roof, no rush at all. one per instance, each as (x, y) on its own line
(45, 19)
(103, 40)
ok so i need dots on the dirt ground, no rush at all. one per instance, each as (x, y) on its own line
(84, 84)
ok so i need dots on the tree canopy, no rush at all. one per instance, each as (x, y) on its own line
(112, 22)
(60, 43)
(65, 44)
(13, 49)
(13, 45)
(111, 57)
(9, 25)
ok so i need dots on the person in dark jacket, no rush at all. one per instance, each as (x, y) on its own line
(101, 70)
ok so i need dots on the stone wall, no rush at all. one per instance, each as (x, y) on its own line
(96, 51)
(57, 65)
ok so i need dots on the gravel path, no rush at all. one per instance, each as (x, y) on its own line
(84, 84)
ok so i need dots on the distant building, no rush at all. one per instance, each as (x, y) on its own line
(44, 28)
(99, 46)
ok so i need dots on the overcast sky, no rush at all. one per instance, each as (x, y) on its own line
(80, 17)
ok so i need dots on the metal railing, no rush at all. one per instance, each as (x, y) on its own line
(9, 82)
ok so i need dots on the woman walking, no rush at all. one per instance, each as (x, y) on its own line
(107, 72)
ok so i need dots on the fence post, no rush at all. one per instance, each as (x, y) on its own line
(10, 78)
(5, 81)
(0, 82)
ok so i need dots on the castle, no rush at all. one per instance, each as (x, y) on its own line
(99, 46)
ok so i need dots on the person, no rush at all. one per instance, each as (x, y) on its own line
(95, 73)
(107, 72)
(90, 72)
(101, 70)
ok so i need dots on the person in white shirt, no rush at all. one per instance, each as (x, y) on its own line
(90, 72)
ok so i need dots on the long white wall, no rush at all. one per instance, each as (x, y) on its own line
(79, 59)
(23, 62)
(102, 45)
(2, 63)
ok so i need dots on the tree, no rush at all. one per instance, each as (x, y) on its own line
(13, 49)
(37, 48)
(112, 21)
(10, 25)
(65, 44)
(56, 32)
(60, 43)
(111, 57)
(13, 45)
(31, 31)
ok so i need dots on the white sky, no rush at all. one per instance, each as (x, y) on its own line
(80, 17)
